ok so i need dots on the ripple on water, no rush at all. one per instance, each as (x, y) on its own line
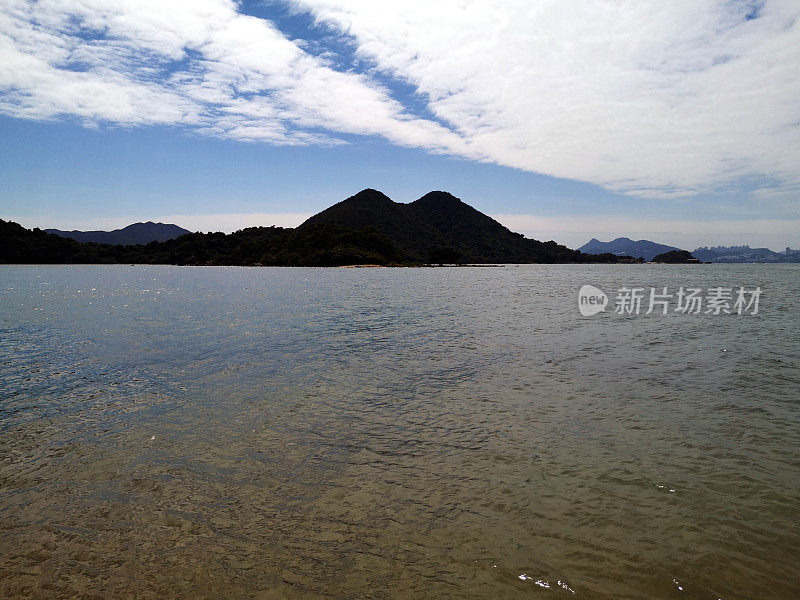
(279, 433)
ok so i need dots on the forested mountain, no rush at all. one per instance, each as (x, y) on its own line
(626, 246)
(368, 228)
(137, 233)
(439, 225)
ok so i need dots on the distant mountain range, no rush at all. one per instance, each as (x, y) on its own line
(627, 247)
(746, 254)
(723, 254)
(138, 233)
(368, 228)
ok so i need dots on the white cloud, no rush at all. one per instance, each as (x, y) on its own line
(198, 63)
(660, 99)
(651, 98)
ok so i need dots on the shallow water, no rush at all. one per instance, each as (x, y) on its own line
(179, 432)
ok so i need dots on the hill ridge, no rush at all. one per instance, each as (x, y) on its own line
(440, 221)
(366, 228)
(625, 246)
(135, 233)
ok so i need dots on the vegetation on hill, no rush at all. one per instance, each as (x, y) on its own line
(675, 256)
(20, 245)
(439, 221)
(320, 245)
(367, 228)
(645, 249)
(137, 233)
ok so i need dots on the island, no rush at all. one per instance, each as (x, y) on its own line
(365, 229)
(676, 257)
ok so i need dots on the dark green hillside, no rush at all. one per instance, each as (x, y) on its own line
(244, 247)
(137, 233)
(20, 245)
(675, 256)
(317, 245)
(440, 225)
(367, 228)
(478, 238)
(372, 209)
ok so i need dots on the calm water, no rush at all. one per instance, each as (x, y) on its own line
(171, 432)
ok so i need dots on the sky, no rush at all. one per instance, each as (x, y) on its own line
(673, 121)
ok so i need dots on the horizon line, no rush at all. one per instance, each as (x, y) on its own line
(775, 234)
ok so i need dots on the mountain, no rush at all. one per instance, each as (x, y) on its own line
(441, 225)
(676, 257)
(20, 245)
(626, 246)
(745, 254)
(320, 245)
(138, 233)
(368, 228)
(372, 209)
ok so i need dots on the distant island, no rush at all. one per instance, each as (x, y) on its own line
(746, 254)
(676, 257)
(623, 246)
(365, 229)
(138, 233)
(648, 251)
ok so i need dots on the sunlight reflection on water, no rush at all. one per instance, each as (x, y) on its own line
(404, 433)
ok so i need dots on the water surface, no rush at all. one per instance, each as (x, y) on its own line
(186, 432)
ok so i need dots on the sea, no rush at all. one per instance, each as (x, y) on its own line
(234, 433)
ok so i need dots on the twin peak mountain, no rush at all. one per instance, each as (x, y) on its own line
(439, 228)
(368, 228)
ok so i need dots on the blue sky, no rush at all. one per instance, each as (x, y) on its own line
(675, 123)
